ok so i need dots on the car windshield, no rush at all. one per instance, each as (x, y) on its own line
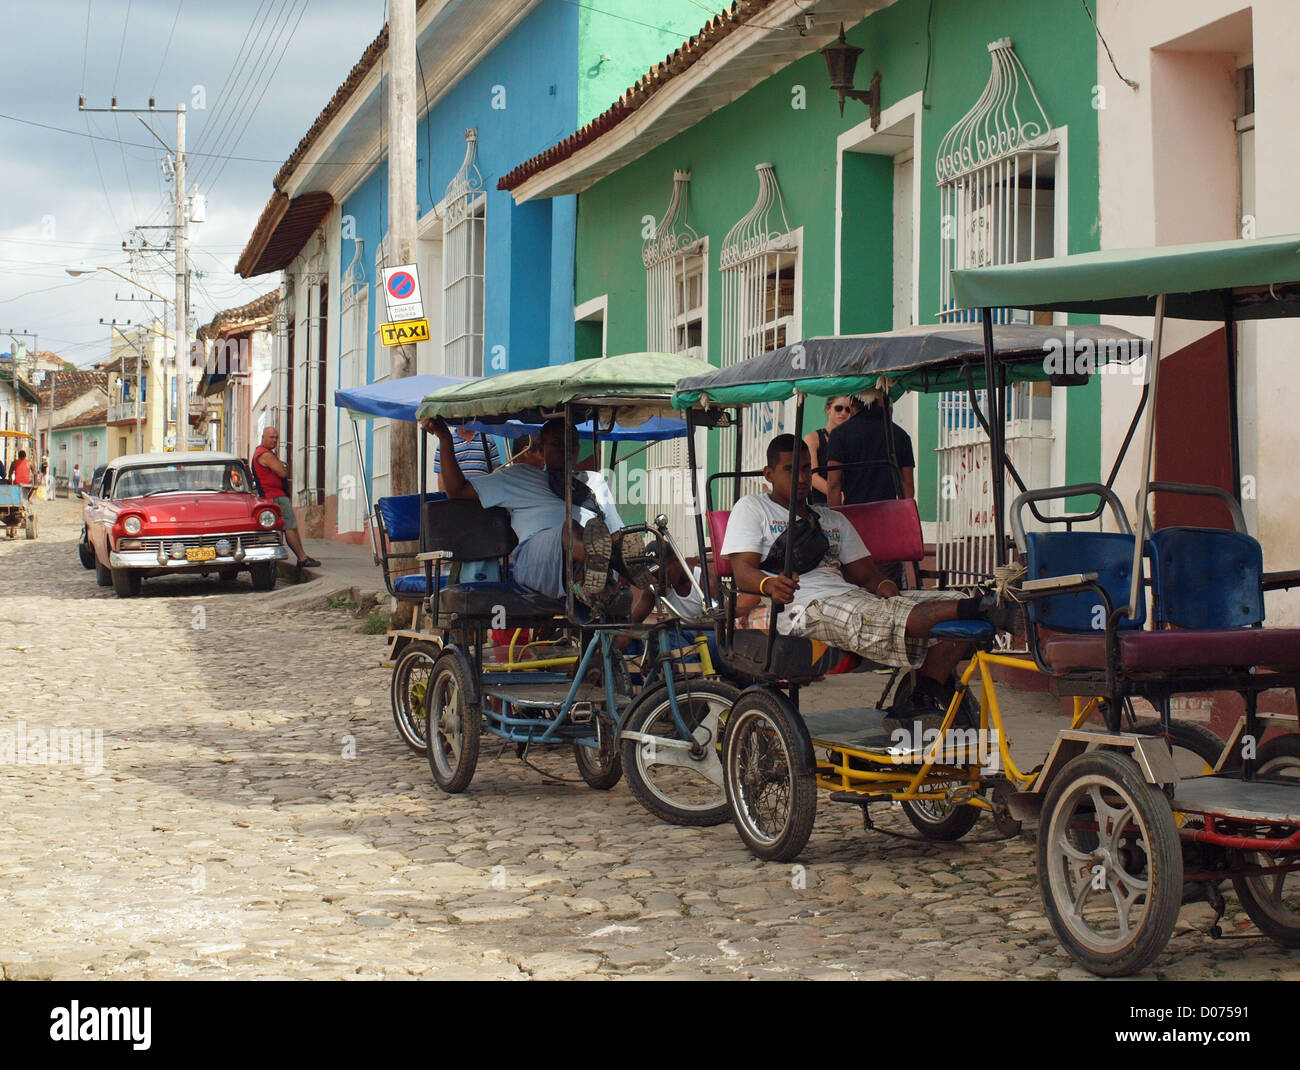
(210, 477)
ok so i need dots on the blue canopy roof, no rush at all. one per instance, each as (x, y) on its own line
(399, 399)
(395, 399)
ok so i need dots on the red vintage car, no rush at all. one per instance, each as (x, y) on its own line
(154, 514)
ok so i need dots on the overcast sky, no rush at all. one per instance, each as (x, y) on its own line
(56, 210)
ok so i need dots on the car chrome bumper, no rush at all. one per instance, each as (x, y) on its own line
(241, 557)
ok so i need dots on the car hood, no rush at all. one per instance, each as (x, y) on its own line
(187, 507)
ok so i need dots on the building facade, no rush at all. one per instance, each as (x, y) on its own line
(498, 81)
(236, 350)
(736, 209)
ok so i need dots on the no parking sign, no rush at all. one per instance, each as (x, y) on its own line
(402, 293)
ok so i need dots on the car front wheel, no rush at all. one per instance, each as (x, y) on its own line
(264, 576)
(126, 582)
(103, 576)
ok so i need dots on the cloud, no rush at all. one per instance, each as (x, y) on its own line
(56, 211)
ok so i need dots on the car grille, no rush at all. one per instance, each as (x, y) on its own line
(247, 538)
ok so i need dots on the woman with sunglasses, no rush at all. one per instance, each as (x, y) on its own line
(837, 411)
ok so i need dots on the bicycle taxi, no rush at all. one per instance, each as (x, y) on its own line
(1123, 839)
(774, 757)
(577, 692)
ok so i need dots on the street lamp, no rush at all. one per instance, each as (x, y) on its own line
(77, 270)
(182, 382)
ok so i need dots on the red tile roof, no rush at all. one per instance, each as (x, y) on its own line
(89, 418)
(682, 59)
(69, 386)
(257, 313)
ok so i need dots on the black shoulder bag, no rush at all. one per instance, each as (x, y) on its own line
(810, 546)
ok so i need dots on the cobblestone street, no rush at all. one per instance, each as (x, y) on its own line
(257, 816)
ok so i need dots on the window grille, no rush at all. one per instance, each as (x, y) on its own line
(463, 238)
(996, 169)
(676, 264)
(760, 312)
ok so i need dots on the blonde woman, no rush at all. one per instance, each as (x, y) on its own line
(837, 411)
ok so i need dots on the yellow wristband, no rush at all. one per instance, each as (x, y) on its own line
(761, 582)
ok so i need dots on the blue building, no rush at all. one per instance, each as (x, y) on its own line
(498, 81)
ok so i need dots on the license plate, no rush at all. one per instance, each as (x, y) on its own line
(201, 553)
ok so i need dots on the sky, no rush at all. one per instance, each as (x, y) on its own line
(253, 76)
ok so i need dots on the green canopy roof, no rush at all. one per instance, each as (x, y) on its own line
(930, 357)
(1260, 277)
(631, 380)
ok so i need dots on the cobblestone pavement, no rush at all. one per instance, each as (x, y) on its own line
(230, 833)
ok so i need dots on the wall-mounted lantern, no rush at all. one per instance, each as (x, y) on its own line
(841, 60)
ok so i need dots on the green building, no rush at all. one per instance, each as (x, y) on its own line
(727, 207)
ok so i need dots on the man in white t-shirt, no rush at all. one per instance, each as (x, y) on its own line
(535, 500)
(846, 601)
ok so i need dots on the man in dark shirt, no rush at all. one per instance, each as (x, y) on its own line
(862, 438)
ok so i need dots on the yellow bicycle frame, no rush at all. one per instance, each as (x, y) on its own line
(930, 779)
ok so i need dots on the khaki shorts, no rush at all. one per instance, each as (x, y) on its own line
(875, 628)
(286, 511)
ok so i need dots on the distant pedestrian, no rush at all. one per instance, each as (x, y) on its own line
(21, 473)
(273, 476)
(526, 449)
(863, 438)
(47, 480)
(476, 454)
(76, 480)
(837, 411)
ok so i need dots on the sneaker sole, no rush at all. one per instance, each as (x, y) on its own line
(633, 545)
(597, 547)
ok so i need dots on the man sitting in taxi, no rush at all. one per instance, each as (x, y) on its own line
(534, 498)
(841, 598)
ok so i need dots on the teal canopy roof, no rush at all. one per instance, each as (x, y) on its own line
(1258, 278)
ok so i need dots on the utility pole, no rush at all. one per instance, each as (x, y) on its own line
(182, 295)
(401, 209)
(138, 345)
(182, 362)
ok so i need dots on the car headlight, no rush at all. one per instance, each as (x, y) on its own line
(131, 525)
(178, 549)
(224, 547)
(267, 518)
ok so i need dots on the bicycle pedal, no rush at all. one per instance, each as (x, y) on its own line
(581, 713)
(962, 795)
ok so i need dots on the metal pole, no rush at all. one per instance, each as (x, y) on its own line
(182, 295)
(997, 447)
(401, 208)
(1148, 449)
(1234, 427)
(365, 487)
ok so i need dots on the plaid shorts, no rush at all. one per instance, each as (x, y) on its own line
(875, 628)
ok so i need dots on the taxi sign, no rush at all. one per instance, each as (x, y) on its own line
(406, 333)
(402, 293)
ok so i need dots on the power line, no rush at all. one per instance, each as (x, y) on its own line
(242, 106)
(179, 4)
(209, 123)
(122, 47)
(100, 171)
(85, 52)
(145, 145)
(219, 121)
(265, 86)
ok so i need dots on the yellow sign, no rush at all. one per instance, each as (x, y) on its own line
(404, 333)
